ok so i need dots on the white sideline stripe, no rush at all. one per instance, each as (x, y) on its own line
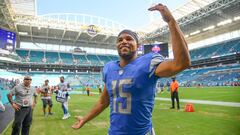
(221, 103)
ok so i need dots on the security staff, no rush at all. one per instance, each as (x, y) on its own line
(23, 106)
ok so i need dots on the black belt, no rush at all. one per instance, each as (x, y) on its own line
(25, 106)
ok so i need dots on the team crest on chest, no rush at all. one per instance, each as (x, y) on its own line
(120, 72)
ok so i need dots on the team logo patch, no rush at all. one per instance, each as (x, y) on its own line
(120, 72)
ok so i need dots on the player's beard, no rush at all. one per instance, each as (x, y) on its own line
(127, 56)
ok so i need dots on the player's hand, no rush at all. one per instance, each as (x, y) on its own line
(166, 14)
(16, 106)
(79, 123)
(33, 105)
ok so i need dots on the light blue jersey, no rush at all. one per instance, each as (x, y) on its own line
(62, 96)
(62, 93)
(131, 90)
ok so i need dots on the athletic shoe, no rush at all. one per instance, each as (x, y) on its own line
(64, 117)
(68, 115)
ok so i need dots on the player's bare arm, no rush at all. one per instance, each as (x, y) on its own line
(34, 101)
(181, 55)
(14, 105)
(102, 103)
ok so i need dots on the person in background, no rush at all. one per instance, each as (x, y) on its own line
(168, 86)
(100, 89)
(23, 106)
(88, 90)
(46, 92)
(162, 87)
(63, 96)
(174, 93)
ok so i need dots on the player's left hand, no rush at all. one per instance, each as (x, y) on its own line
(166, 14)
(33, 105)
(80, 122)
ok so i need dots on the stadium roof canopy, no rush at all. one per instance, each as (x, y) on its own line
(179, 12)
(91, 31)
(211, 18)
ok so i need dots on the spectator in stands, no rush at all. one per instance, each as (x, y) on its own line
(23, 106)
(27, 59)
(46, 93)
(174, 93)
(44, 60)
(130, 83)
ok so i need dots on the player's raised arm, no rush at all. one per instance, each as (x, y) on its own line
(102, 103)
(181, 55)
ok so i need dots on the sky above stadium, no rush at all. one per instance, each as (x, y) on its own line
(132, 13)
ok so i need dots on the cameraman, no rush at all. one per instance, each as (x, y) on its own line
(46, 93)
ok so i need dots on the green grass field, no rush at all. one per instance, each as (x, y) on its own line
(206, 120)
(227, 94)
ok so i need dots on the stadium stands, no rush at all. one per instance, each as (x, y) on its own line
(209, 76)
(104, 59)
(24, 55)
(37, 56)
(52, 57)
(219, 49)
(80, 59)
(67, 58)
(93, 59)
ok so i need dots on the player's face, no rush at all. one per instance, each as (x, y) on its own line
(62, 79)
(27, 82)
(126, 46)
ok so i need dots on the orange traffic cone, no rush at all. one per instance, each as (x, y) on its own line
(189, 108)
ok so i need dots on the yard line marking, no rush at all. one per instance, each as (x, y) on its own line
(220, 103)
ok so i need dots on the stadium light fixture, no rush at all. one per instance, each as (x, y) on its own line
(224, 22)
(22, 33)
(209, 28)
(236, 18)
(195, 32)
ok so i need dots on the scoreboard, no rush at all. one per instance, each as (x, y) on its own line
(7, 39)
(161, 48)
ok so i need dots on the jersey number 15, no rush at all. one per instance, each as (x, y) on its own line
(120, 94)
